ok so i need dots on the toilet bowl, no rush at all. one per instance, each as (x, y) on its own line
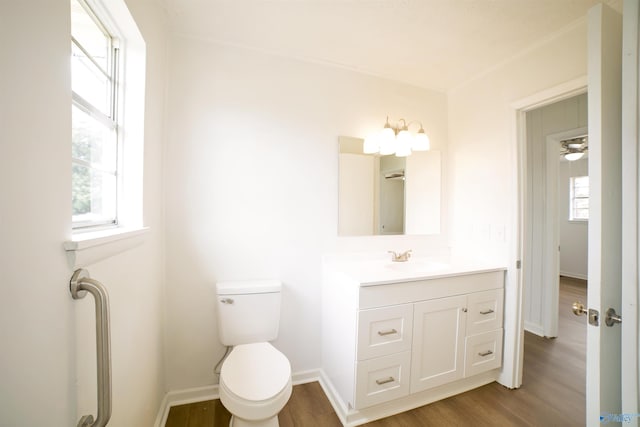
(255, 384)
(255, 378)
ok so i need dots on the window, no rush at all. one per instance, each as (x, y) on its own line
(95, 130)
(108, 69)
(579, 198)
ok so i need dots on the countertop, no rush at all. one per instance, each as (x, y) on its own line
(378, 271)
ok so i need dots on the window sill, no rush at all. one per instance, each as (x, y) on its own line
(90, 247)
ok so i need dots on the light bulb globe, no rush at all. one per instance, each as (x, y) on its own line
(371, 144)
(404, 143)
(573, 156)
(421, 142)
(387, 141)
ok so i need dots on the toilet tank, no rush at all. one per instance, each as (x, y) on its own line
(248, 311)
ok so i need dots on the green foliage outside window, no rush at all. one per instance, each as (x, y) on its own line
(80, 175)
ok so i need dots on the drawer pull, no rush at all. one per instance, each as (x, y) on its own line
(391, 332)
(385, 380)
(487, 311)
(485, 353)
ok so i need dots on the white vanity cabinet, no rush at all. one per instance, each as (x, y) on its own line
(392, 346)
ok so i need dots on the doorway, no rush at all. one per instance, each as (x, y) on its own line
(554, 240)
(555, 246)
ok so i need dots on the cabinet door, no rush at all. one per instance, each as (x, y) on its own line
(438, 342)
(384, 330)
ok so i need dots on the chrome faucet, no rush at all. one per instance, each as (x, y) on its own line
(401, 257)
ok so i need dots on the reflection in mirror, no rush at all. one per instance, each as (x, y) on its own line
(387, 194)
(392, 191)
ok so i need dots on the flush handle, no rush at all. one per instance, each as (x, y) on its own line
(227, 300)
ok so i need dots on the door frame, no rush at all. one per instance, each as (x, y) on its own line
(630, 207)
(518, 255)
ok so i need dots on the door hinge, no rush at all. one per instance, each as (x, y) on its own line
(518, 264)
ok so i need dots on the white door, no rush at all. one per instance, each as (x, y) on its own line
(605, 249)
(630, 139)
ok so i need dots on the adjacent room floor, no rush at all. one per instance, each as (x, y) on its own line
(552, 393)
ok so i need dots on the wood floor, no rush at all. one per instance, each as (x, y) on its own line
(552, 393)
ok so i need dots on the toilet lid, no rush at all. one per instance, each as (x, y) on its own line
(256, 371)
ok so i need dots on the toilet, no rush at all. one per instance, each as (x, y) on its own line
(255, 379)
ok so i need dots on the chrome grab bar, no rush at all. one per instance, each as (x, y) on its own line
(79, 285)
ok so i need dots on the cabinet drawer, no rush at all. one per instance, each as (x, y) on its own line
(484, 311)
(382, 379)
(483, 352)
(383, 331)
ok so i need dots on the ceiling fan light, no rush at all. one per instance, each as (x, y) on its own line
(574, 155)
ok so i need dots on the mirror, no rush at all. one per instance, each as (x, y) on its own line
(383, 195)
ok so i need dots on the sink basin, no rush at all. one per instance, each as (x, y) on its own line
(415, 266)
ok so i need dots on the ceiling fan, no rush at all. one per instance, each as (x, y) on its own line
(574, 148)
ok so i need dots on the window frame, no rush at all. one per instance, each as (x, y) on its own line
(111, 120)
(573, 198)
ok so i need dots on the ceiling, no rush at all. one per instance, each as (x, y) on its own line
(435, 44)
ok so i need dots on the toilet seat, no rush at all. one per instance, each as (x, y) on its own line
(256, 371)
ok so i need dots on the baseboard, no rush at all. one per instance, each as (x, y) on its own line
(183, 397)
(334, 399)
(574, 275)
(202, 394)
(534, 328)
(163, 413)
(304, 377)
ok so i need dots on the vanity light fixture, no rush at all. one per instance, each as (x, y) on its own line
(575, 148)
(396, 139)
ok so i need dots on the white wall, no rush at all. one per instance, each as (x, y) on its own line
(252, 182)
(482, 165)
(573, 234)
(423, 192)
(39, 321)
(542, 123)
